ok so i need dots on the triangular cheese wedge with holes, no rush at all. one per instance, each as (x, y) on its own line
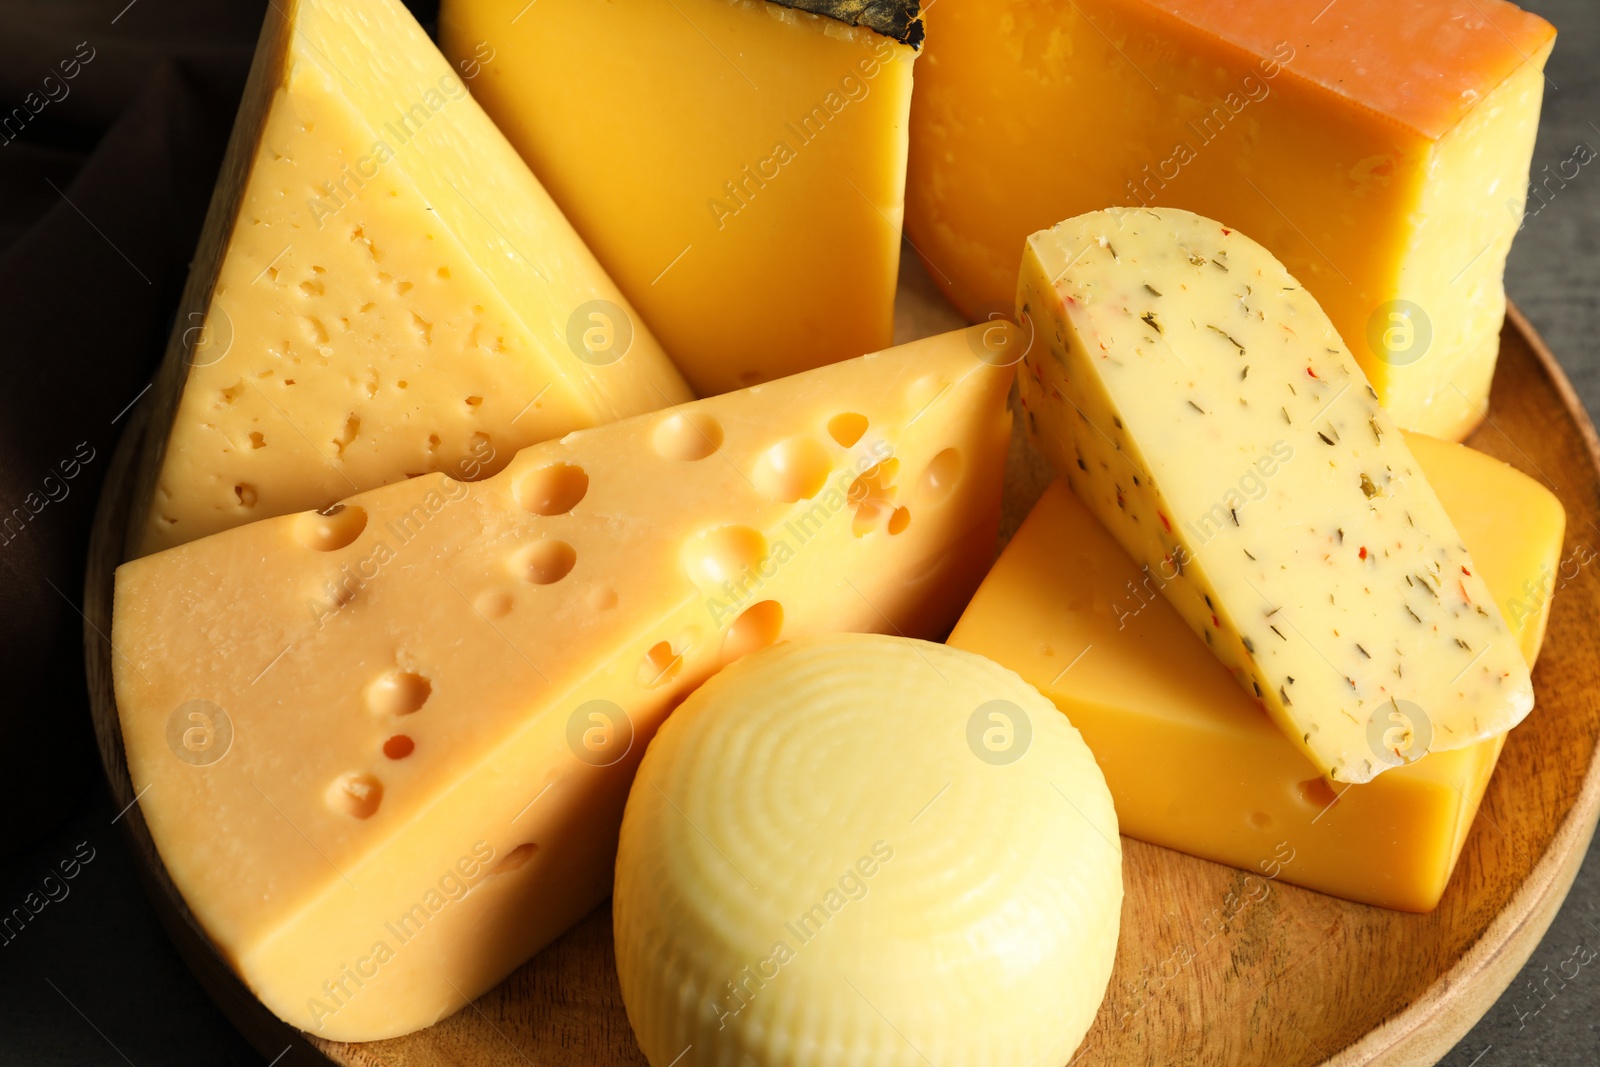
(1196, 397)
(384, 749)
(382, 289)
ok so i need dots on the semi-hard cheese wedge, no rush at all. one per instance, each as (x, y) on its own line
(1199, 401)
(1190, 759)
(384, 750)
(858, 849)
(1380, 148)
(737, 165)
(384, 289)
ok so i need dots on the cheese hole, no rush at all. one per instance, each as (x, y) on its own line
(331, 528)
(792, 470)
(1260, 820)
(756, 627)
(687, 436)
(257, 439)
(494, 604)
(723, 554)
(356, 795)
(939, 477)
(847, 428)
(245, 493)
(552, 490)
(474, 401)
(547, 562)
(924, 391)
(515, 859)
(660, 665)
(1317, 792)
(601, 599)
(871, 495)
(899, 520)
(398, 693)
(399, 747)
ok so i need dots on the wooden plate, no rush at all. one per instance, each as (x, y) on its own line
(1296, 979)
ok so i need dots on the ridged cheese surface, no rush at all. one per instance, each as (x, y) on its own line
(870, 851)
(1196, 397)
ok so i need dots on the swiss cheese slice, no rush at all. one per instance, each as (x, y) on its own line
(1190, 759)
(737, 165)
(384, 750)
(1379, 148)
(857, 849)
(1202, 405)
(384, 289)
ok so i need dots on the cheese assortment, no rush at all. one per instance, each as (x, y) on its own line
(1191, 761)
(1175, 361)
(863, 849)
(451, 611)
(397, 294)
(482, 664)
(737, 165)
(1379, 148)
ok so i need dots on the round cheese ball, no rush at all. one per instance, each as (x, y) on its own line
(866, 850)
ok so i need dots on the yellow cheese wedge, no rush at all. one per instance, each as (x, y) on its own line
(737, 165)
(384, 750)
(866, 850)
(1380, 148)
(1192, 762)
(1201, 404)
(384, 290)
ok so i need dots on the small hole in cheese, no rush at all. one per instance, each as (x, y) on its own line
(245, 494)
(257, 439)
(494, 604)
(791, 470)
(939, 477)
(847, 428)
(1260, 820)
(356, 795)
(724, 554)
(547, 562)
(686, 436)
(398, 693)
(756, 627)
(899, 520)
(332, 528)
(1318, 793)
(516, 858)
(660, 664)
(399, 747)
(552, 490)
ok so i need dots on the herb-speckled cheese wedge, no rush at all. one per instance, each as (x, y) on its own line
(1200, 402)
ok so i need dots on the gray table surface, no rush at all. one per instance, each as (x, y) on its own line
(94, 981)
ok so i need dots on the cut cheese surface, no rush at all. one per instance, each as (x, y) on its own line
(420, 710)
(866, 850)
(398, 295)
(1202, 405)
(737, 165)
(1379, 148)
(1190, 759)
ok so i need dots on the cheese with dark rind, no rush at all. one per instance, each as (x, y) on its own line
(897, 19)
(1199, 401)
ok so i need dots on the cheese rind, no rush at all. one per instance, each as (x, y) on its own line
(867, 850)
(397, 291)
(437, 693)
(1379, 148)
(1191, 761)
(1199, 401)
(738, 166)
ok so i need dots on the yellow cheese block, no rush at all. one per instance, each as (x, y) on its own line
(384, 750)
(1379, 148)
(397, 294)
(870, 851)
(737, 165)
(1192, 762)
